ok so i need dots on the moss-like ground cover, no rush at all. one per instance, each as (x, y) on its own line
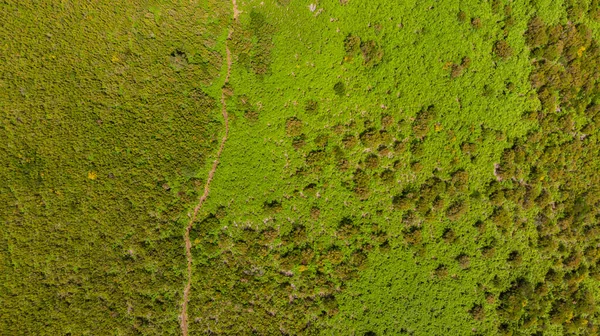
(418, 168)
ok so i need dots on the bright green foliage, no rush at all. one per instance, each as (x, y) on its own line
(393, 168)
(418, 102)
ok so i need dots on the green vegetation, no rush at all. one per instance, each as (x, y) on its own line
(411, 168)
(108, 115)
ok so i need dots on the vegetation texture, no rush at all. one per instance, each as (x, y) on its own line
(391, 168)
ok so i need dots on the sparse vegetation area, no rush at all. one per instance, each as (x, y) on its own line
(422, 168)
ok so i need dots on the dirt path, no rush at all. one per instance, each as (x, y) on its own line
(183, 317)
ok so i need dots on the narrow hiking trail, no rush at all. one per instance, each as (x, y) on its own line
(183, 317)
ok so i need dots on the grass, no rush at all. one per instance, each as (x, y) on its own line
(417, 168)
(108, 116)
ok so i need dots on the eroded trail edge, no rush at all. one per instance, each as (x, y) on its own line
(183, 317)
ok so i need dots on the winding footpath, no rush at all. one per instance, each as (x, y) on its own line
(183, 317)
